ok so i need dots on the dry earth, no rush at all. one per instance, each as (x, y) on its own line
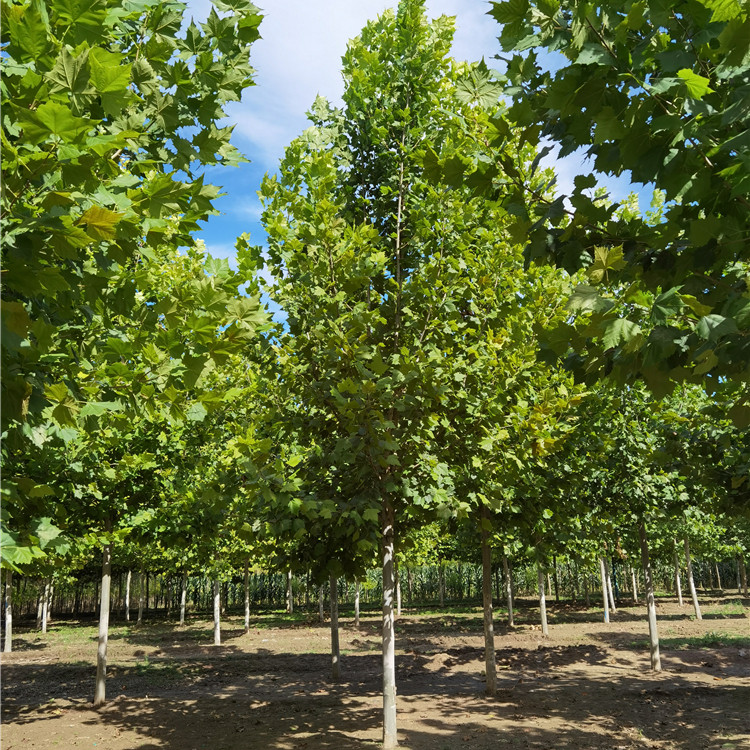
(585, 686)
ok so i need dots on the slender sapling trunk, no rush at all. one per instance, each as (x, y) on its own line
(335, 649)
(691, 581)
(356, 604)
(217, 612)
(441, 583)
(677, 581)
(610, 591)
(718, 576)
(390, 739)
(183, 597)
(289, 596)
(508, 590)
(141, 596)
(542, 600)
(743, 576)
(8, 645)
(45, 606)
(321, 609)
(101, 654)
(247, 596)
(127, 595)
(653, 633)
(634, 584)
(605, 595)
(490, 669)
(398, 594)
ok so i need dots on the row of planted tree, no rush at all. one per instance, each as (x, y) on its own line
(77, 594)
(460, 352)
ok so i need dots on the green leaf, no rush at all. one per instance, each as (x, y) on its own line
(713, 327)
(196, 412)
(100, 222)
(605, 259)
(586, 299)
(620, 331)
(53, 119)
(667, 305)
(697, 86)
(70, 73)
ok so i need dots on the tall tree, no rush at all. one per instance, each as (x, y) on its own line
(371, 264)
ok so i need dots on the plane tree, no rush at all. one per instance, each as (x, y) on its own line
(656, 93)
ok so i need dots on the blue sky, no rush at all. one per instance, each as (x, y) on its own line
(298, 57)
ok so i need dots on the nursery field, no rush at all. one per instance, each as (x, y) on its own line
(587, 685)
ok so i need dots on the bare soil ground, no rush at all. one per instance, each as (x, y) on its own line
(587, 685)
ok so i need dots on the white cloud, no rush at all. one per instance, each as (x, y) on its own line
(299, 56)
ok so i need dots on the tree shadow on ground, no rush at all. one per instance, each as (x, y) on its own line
(266, 700)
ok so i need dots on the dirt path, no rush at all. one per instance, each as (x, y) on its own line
(585, 686)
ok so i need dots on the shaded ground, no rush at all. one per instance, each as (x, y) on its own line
(585, 686)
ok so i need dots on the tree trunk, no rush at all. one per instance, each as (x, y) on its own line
(398, 593)
(410, 583)
(390, 739)
(50, 594)
(605, 595)
(356, 604)
(45, 606)
(289, 593)
(141, 596)
(586, 596)
(677, 581)
(183, 597)
(101, 654)
(441, 583)
(508, 590)
(549, 585)
(555, 580)
(335, 650)
(40, 607)
(247, 596)
(127, 595)
(542, 599)
(691, 581)
(321, 609)
(8, 646)
(490, 669)
(653, 633)
(718, 576)
(610, 591)
(634, 585)
(743, 576)
(217, 612)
